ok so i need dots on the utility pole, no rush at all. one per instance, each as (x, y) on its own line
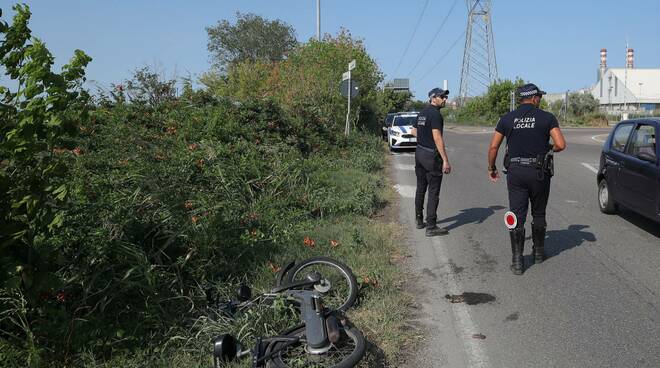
(318, 20)
(513, 101)
(625, 79)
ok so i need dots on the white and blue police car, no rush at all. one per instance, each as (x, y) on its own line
(399, 133)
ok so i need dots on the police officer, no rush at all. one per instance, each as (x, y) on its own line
(431, 161)
(529, 163)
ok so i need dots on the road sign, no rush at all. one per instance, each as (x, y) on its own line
(354, 88)
(510, 220)
(351, 65)
(345, 76)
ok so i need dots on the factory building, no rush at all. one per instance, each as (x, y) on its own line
(629, 89)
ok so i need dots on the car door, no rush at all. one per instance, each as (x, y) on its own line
(638, 176)
(613, 158)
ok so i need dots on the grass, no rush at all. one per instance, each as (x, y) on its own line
(367, 241)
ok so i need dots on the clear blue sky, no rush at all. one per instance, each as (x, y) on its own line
(555, 44)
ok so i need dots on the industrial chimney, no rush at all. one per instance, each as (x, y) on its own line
(603, 64)
(630, 59)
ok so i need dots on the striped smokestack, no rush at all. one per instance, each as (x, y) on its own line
(603, 59)
(630, 59)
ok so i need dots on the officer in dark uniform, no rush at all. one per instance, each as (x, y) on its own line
(431, 161)
(528, 160)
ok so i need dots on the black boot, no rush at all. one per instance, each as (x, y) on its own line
(538, 237)
(436, 230)
(419, 220)
(517, 245)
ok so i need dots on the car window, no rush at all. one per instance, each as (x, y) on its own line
(404, 120)
(643, 141)
(620, 138)
(388, 119)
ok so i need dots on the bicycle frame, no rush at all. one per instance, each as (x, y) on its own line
(318, 328)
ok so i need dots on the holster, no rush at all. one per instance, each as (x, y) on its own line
(545, 165)
(507, 160)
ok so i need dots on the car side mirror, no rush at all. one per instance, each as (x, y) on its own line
(645, 156)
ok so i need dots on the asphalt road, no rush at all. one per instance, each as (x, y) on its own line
(594, 303)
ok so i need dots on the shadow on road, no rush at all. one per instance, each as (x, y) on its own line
(476, 215)
(558, 241)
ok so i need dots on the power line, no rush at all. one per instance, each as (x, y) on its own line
(460, 37)
(434, 37)
(419, 19)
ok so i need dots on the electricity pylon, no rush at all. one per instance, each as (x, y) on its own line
(479, 63)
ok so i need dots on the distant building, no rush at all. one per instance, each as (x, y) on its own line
(626, 89)
(398, 85)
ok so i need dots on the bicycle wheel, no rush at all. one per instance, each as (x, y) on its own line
(344, 354)
(338, 286)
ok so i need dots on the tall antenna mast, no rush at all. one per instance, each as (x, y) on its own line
(479, 63)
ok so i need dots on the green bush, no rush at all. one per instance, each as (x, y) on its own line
(172, 201)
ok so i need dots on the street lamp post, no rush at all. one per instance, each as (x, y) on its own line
(318, 20)
(639, 97)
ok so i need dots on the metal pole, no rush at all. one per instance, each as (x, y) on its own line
(347, 131)
(318, 20)
(513, 101)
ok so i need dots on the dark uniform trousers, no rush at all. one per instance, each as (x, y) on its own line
(524, 187)
(428, 169)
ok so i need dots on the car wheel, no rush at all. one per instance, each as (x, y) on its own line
(605, 201)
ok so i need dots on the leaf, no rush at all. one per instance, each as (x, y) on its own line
(57, 221)
(129, 272)
(61, 192)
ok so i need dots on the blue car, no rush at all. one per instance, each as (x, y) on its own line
(629, 172)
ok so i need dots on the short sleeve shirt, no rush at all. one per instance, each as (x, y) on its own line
(427, 120)
(527, 130)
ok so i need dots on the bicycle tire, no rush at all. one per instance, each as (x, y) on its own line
(351, 360)
(329, 299)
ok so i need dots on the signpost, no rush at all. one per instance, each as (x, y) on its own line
(347, 77)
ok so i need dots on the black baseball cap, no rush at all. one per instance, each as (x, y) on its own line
(438, 92)
(529, 90)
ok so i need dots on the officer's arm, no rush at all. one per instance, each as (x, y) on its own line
(558, 141)
(495, 143)
(440, 144)
(414, 131)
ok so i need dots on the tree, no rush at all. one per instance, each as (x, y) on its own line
(148, 87)
(38, 114)
(394, 101)
(495, 103)
(580, 104)
(252, 38)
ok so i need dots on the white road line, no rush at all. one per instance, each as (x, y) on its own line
(404, 167)
(590, 167)
(406, 191)
(476, 356)
(597, 139)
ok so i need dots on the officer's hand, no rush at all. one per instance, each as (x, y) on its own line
(446, 167)
(493, 175)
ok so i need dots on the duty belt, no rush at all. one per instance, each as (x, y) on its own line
(524, 161)
(426, 148)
